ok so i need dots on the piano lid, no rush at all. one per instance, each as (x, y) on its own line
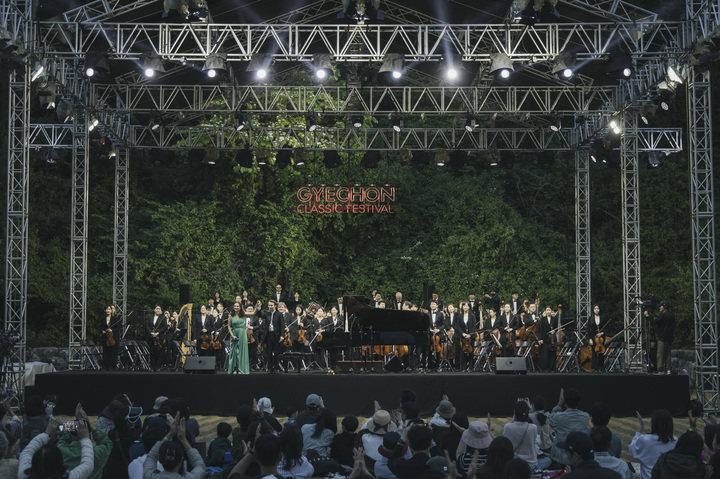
(362, 316)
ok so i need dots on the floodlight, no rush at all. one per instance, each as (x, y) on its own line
(394, 63)
(241, 120)
(441, 157)
(397, 124)
(93, 123)
(299, 155)
(151, 64)
(96, 65)
(370, 159)
(620, 64)
(452, 65)
(647, 112)
(357, 122)
(283, 158)
(654, 159)
(555, 124)
(156, 122)
(322, 64)
(49, 155)
(214, 64)
(64, 110)
(565, 65)
(260, 64)
(674, 75)
(501, 65)
(310, 122)
(614, 126)
(331, 158)
(37, 71)
(47, 93)
(470, 124)
(666, 95)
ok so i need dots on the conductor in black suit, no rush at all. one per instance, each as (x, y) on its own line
(273, 329)
(279, 295)
(155, 329)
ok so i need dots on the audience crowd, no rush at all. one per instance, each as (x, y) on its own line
(395, 443)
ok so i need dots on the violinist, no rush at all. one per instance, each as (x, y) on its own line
(155, 328)
(596, 333)
(465, 336)
(109, 340)
(253, 329)
(436, 332)
(217, 335)
(531, 316)
(451, 316)
(202, 332)
(290, 330)
(474, 304)
(495, 330)
(512, 324)
(546, 327)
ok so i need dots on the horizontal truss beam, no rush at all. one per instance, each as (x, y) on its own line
(299, 42)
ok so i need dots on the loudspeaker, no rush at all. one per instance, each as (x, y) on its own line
(510, 366)
(184, 294)
(357, 366)
(394, 365)
(200, 365)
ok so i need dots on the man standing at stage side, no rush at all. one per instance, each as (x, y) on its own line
(665, 329)
(155, 327)
(273, 330)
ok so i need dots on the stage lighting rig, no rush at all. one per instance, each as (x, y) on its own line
(186, 8)
(370, 159)
(322, 64)
(654, 159)
(555, 124)
(666, 95)
(49, 155)
(564, 66)
(215, 64)
(38, 69)
(260, 64)
(620, 64)
(393, 63)
(361, 11)
(47, 93)
(470, 123)
(151, 64)
(647, 112)
(501, 66)
(241, 120)
(96, 65)
(397, 124)
(64, 110)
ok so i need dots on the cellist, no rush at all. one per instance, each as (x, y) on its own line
(108, 340)
(495, 332)
(596, 333)
(512, 324)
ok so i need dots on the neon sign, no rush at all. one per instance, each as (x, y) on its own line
(346, 199)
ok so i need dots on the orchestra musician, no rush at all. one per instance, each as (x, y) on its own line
(377, 299)
(492, 300)
(437, 300)
(398, 303)
(109, 340)
(155, 328)
(340, 305)
(474, 304)
(531, 316)
(512, 324)
(203, 327)
(546, 326)
(515, 304)
(437, 328)
(279, 295)
(495, 330)
(333, 323)
(465, 327)
(596, 333)
(253, 328)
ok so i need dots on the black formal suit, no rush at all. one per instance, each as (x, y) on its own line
(545, 325)
(462, 359)
(109, 352)
(593, 328)
(197, 333)
(439, 322)
(156, 324)
(513, 321)
(342, 309)
(273, 328)
(397, 305)
(474, 306)
(530, 318)
(332, 325)
(280, 297)
(493, 302)
(439, 303)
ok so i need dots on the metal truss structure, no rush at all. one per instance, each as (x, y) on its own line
(296, 42)
(78, 240)
(629, 186)
(120, 233)
(706, 17)
(298, 100)
(583, 276)
(293, 37)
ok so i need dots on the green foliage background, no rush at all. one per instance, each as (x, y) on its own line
(228, 228)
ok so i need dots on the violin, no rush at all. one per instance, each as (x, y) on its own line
(158, 343)
(109, 340)
(286, 337)
(467, 344)
(301, 336)
(216, 340)
(250, 336)
(435, 345)
(205, 341)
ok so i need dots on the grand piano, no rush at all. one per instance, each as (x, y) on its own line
(370, 326)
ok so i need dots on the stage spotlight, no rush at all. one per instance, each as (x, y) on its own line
(37, 70)
(654, 159)
(151, 64)
(241, 120)
(322, 64)
(361, 10)
(647, 112)
(370, 159)
(470, 124)
(419, 158)
(493, 157)
(283, 158)
(441, 157)
(393, 63)
(156, 122)
(47, 93)
(565, 65)
(96, 65)
(310, 122)
(214, 64)
(620, 64)
(451, 66)
(64, 110)
(299, 156)
(501, 65)
(614, 126)
(397, 124)
(212, 155)
(555, 124)
(666, 95)
(674, 74)
(331, 158)
(49, 155)
(260, 64)
(357, 122)
(94, 122)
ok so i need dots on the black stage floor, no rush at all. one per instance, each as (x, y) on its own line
(476, 394)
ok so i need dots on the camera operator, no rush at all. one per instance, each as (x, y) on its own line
(492, 300)
(665, 330)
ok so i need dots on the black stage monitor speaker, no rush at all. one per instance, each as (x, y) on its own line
(184, 294)
(394, 365)
(510, 366)
(200, 365)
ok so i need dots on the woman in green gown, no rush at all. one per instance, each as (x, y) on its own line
(238, 354)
